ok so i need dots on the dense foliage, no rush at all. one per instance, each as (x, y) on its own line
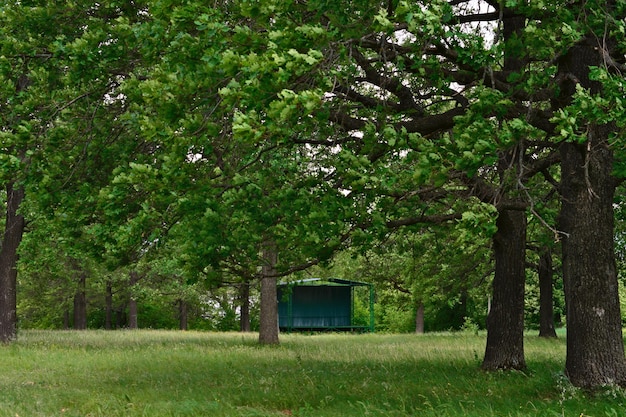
(169, 156)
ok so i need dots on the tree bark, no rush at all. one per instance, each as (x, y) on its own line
(13, 233)
(182, 315)
(419, 318)
(132, 314)
(546, 296)
(80, 303)
(244, 298)
(505, 322)
(268, 326)
(121, 317)
(108, 309)
(66, 319)
(595, 348)
(132, 302)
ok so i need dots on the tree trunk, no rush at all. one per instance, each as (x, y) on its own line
(120, 317)
(132, 302)
(268, 326)
(13, 232)
(546, 301)
(132, 314)
(80, 303)
(505, 322)
(182, 315)
(108, 309)
(595, 348)
(419, 318)
(244, 298)
(66, 319)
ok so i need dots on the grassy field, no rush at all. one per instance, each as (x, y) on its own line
(159, 373)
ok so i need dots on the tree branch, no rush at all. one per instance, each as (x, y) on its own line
(423, 219)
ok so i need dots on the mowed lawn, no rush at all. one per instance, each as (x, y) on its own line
(168, 373)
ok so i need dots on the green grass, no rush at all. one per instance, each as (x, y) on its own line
(166, 373)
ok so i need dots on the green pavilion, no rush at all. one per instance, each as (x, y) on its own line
(325, 305)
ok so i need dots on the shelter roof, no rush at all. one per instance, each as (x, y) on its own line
(323, 281)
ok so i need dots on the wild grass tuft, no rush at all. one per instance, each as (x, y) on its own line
(167, 373)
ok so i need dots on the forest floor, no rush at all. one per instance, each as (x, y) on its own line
(169, 373)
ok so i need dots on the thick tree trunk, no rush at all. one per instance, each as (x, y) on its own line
(244, 298)
(546, 295)
(13, 232)
(268, 327)
(80, 303)
(132, 302)
(419, 318)
(505, 322)
(595, 348)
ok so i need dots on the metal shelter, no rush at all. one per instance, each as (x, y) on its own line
(321, 304)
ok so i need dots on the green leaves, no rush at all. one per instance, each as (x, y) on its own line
(587, 108)
(427, 20)
(480, 220)
(292, 106)
(225, 123)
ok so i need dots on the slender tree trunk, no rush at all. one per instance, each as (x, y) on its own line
(108, 309)
(13, 233)
(244, 298)
(66, 319)
(505, 322)
(132, 314)
(80, 303)
(182, 315)
(268, 327)
(546, 296)
(419, 318)
(595, 348)
(120, 317)
(132, 302)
